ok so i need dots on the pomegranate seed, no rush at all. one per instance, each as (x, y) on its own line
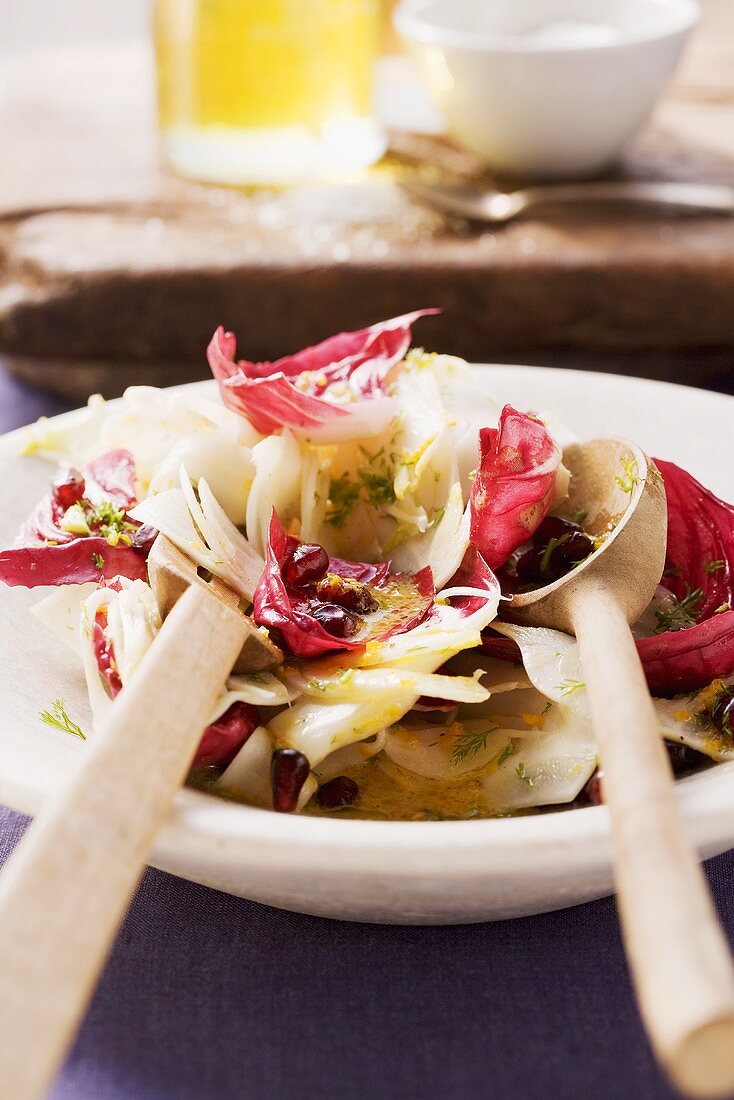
(558, 545)
(592, 790)
(335, 620)
(289, 770)
(144, 538)
(306, 564)
(68, 489)
(682, 758)
(553, 527)
(338, 792)
(346, 593)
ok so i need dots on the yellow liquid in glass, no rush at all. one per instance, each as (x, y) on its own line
(251, 89)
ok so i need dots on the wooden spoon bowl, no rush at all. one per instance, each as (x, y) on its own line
(621, 496)
(677, 953)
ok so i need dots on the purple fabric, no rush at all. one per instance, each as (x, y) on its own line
(208, 997)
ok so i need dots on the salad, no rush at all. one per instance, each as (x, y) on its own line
(372, 509)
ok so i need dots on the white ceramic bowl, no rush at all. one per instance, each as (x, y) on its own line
(546, 88)
(396, 872)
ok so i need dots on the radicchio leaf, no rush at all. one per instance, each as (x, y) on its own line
(330, 391)
(77, 562)
(514, 487)
(45, 553)
(223, 739)
(287, 610)
(111, 477)
(474, 575)
(700, 552)
(700, 558)
(685, 660)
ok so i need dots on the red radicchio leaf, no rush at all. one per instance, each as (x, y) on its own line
(32, 563)
(105, 654)
(700, 535)
(111, 477)
(223, 739)
(297, 391)
(304, 636)
(685, 660)
(473, 573)
(502, 649)
(514, 486)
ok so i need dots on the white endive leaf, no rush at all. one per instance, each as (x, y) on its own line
(276, 486)
(226, 467)
(61, 611)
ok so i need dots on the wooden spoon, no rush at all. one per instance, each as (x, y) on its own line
(65, 889)
(171, 573)
(677, 952)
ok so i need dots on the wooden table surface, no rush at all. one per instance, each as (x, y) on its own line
(112, 271)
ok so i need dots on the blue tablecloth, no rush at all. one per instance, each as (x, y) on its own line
(208, 997)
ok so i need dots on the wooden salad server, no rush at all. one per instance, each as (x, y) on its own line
(65, 889)
(677, 952)
(171, 573)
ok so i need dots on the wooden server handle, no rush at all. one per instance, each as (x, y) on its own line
(678, 955)
(66, 887)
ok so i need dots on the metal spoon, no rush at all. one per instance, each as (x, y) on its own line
(497, 207)
(677, 952)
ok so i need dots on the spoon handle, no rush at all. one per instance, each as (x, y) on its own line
(66, 887)
(677, 951)
(701, 197)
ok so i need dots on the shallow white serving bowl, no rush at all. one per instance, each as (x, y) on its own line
(416, 872)
(546, 88)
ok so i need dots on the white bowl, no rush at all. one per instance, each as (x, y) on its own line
(546, 88)
(422, 872)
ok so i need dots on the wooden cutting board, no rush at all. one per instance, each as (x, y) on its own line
(112, 272)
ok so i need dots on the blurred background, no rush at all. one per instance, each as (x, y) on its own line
(42, 22)
(117, 260)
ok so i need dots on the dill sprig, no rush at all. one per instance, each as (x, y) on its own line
(468, 744)
(715, 566)
(523, 775)
(59, 719)
(568, 687)
(681, 613)
(630, 479)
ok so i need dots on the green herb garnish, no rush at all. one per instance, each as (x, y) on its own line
(714, 566)
(681, 613)
(630, 479)
(58, 718)
(507, 752)
(568, 687)
(343, 495)
(98, 561)
(523, 775)
(111, 523)
(468, 744)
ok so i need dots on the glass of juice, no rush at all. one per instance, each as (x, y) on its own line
(267, 91)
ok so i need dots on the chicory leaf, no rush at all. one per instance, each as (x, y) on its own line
(515, 484)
